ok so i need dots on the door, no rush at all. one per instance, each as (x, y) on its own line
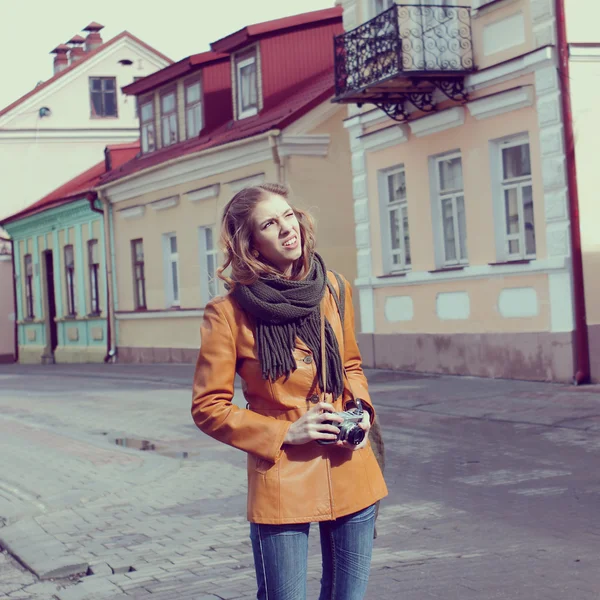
(51, 323)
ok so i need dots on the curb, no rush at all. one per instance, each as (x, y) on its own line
(39, 551)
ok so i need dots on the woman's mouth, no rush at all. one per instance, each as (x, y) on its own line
(291, 243)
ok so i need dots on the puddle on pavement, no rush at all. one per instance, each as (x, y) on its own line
(148, 446)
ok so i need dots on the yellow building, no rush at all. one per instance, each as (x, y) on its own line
(462, 199)
(256, 108)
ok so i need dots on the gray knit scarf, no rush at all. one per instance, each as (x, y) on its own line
(285, 309)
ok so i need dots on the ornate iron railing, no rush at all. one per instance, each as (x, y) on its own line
(410, 39)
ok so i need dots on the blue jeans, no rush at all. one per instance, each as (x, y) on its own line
(281, 557)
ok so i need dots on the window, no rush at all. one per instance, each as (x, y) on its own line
(28, 270)
(94, 267)
(517, 200)
(147, 125)
(139, 277)
(171, 269)
(451, 206)
(103, 95)
(193, 109)
(208, 265)
(247, 86)
(168, 118)
(70, 275)
(395, 220)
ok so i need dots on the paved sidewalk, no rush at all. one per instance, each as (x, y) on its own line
(493, 490)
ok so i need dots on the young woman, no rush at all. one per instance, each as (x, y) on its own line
(281, 307)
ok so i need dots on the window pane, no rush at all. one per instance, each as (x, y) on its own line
(192, 93)
(516, 161)
(511, 206)
(96, 85)
(69, 256)
(109, 84)
(175, 281)
(448, 227)
(397, 186)
(173, 128)
(248, 86)
(462, 226)
(147, 112)
(28, 266)
(168, 103)
(209, 239)
(173, 243)
(110, 104)
(97, 104)
(139, 251)
(148, 142)
(407, 258)
(527, 192)
(395, 228)
(450, 174)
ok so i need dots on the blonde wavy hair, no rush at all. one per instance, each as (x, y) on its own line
(237, 237)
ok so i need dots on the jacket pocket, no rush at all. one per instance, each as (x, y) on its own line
(264, 467)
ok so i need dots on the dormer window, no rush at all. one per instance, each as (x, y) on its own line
(193, 108)
(246, 85)
(147, 125)
(168, 118)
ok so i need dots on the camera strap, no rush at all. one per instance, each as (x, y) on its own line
(323, 349)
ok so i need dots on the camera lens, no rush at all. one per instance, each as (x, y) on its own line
(355, 435)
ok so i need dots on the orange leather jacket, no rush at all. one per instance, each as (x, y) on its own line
(286, 483)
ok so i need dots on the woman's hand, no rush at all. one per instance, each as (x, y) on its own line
(310, 426)
(365, 425)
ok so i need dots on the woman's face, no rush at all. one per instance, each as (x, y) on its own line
(276, 233)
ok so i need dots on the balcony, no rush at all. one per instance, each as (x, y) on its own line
(404, 55)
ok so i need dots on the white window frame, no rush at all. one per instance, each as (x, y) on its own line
(172, 292)
(438, 214)
(169, 119)
(209, 288)
(239, 65)
(386, 207)
(191, 109)
(499, 186)
(147, 125)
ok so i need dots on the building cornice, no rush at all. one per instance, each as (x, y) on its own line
(503, 102)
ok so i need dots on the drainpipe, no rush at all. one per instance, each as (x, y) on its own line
(582, 349)
(14, 287)
(274, 143)
(110, 322)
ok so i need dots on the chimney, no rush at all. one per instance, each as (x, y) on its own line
(61, 60)
(77, 50)
(93, 39)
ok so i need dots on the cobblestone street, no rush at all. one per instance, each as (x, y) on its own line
(494, 490)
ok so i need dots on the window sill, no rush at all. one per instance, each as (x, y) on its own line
(394, 274)
(449, 268)
(247, 114)
(107, 118)
(518, 261)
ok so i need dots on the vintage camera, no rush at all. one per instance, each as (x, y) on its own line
(350, 431)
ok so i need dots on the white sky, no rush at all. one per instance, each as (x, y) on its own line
(30, 30)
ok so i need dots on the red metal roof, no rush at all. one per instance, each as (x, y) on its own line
(81, 185)
(174, 71)
(251, 33)
(81, 61)
(298, 102)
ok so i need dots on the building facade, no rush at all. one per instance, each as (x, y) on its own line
(7, 306)
(461, 196)
(255, 108)
(61, 127)
(59, 247)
